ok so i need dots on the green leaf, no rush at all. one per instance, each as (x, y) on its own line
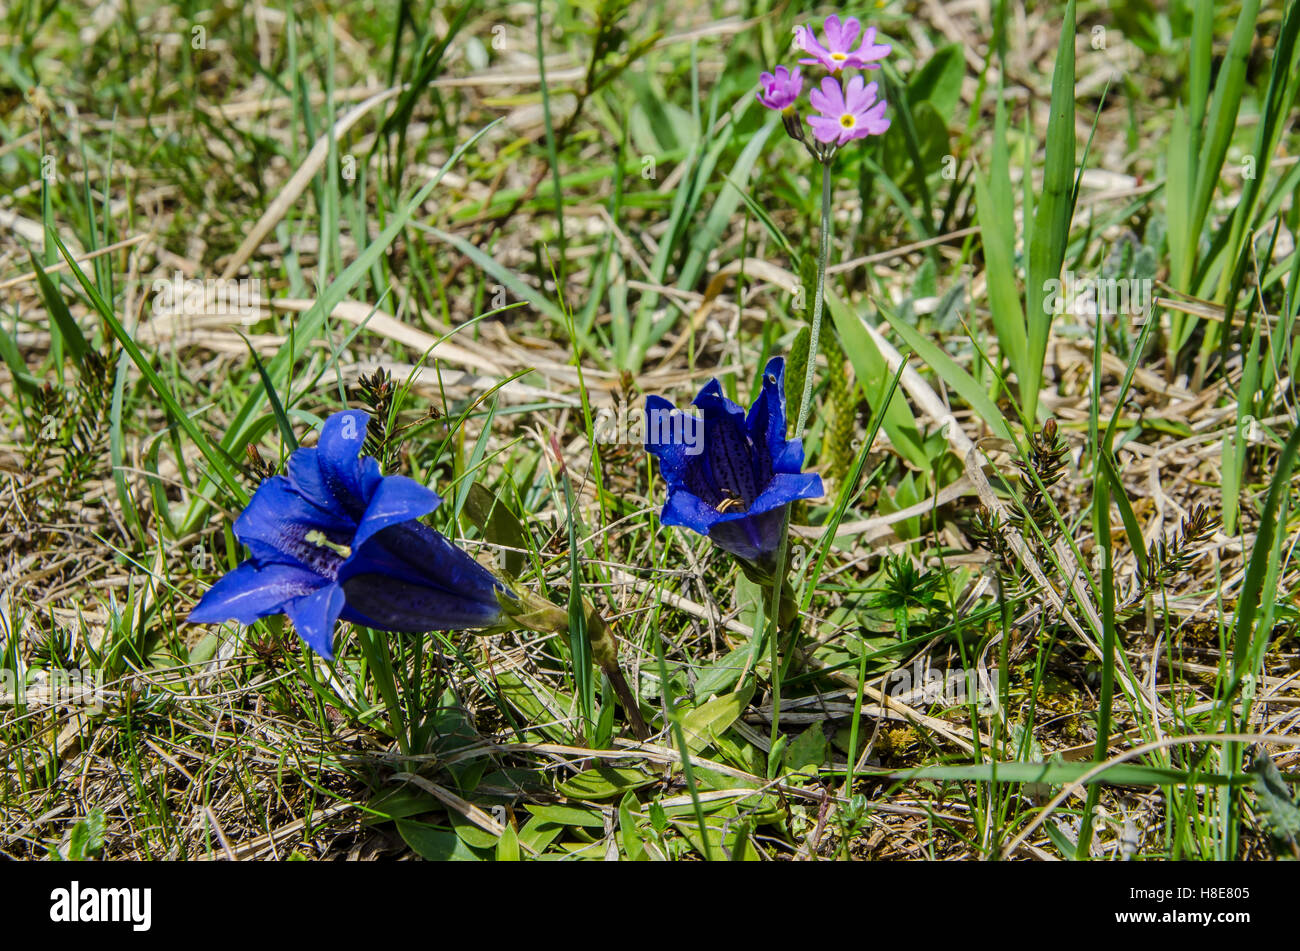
(117, 453)
(939, 80)
(579, 638)
(1281, 810)
(723, 673)
(86, 837)
(633, 844)
(435, 844)
(953, 375)
(497, 524)
(1248, 643)
(508, 846)
(796, 370)
(1222, 120)
(713, 718)
(655, 123)
(472, 834)
(1051, 231)
(569, 815)
(1131, 527)
(537, 834)
(277, 408)
(399, 802)
(603, 782)
(1059, 839)
(14, 360)
(776, 755)
(931, 136)
(1178, 206)
(808, 751)
(658, 818)
(204, 650)
(63, 323)
(997, 225)
(874, 376)
(1058, 774)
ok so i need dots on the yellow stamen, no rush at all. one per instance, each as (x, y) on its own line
(319, 539)
(730, 501)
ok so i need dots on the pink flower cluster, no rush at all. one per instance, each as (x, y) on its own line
(845, 111)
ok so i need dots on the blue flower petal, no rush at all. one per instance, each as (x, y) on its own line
(753, 537)
(414, 553)
(688, 510)
(251, 591)
(767, 423)
(753, 534)
(736, 492)
(277, 521)
(397, 499)
(727, 470)
(660, 421)
(387, 603)
(350, 478)
(730, 457)
(678, 439)
(314, 616)
(711, 398)
(785, 488)
(306, 480)
(658, 413)
(335, 518)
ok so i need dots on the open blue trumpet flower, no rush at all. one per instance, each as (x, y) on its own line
(734, 484)
(338, 539)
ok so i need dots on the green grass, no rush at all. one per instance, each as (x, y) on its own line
(544, 217)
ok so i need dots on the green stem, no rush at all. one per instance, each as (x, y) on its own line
(997, 746)
(772, 617)
(853, 726)
(773, 593)
(380, 664)
(1104, 710)
(552, 146)
(823, 253)
(672, 719)
(780, 615)
(623, 690)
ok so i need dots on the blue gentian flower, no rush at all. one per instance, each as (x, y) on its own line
(337, 539)
(731, 476)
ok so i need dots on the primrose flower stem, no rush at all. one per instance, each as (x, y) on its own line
(823, 253)
(773, 593)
